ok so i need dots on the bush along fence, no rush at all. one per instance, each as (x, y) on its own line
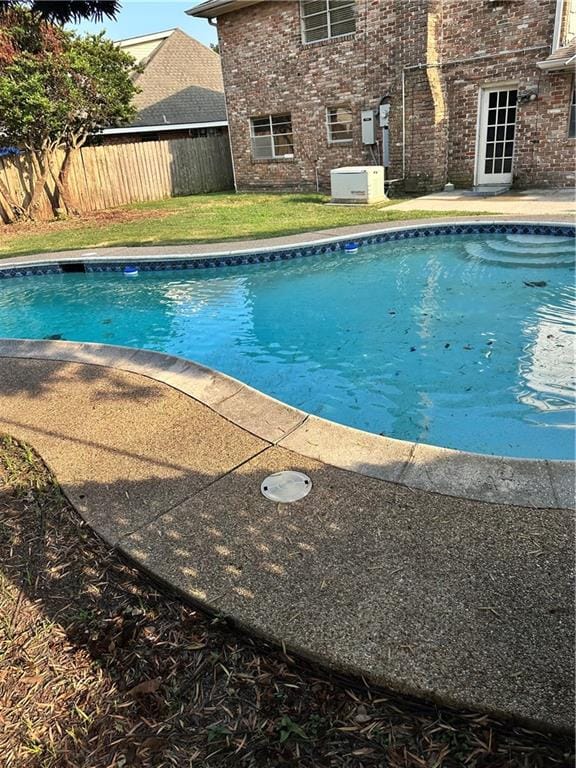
(107, 176)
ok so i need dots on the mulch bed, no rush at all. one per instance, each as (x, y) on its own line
(102, 668)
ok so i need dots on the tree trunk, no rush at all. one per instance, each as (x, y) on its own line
(62, 181)
(59, 190)
(11, 208)
(41, 162)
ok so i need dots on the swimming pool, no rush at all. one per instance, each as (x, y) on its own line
(463, 341)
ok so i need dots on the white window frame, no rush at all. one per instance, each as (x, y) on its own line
(327, 12)
(330, 123)
(271, 136)
(561, 36)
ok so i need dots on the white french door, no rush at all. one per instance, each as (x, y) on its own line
(496, 134)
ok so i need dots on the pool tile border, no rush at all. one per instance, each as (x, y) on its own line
(334, 244)
(502, 480)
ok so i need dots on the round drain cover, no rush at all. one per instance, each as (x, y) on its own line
(286, 486)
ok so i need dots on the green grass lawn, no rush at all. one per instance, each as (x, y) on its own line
(195, 219)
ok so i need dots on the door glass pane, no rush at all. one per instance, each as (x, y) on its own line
(507, 166)
(512, 97)
(500, 133)
(497, 166)
(489, 150)
(490, 134)
(502, 98)
(501, 115)
(493, 100)
(488, 166)
(499, 149)
(510, 132)
(509, 149)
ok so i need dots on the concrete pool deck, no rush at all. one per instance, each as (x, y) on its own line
(547, 202)
(459, 600)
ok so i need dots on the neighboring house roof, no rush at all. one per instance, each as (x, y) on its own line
(562, 58)
(181, 84)
(143, 46)
(213, 8)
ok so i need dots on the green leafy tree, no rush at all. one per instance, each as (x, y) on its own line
(57, 88)
(64, 11)
(100, 95)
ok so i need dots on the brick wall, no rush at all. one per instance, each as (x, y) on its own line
(268, 70)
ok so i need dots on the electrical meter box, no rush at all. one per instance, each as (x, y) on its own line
(384, 113)
(368, 127)
(358, 184)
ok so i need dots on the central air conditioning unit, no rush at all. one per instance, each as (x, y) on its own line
(362, 184)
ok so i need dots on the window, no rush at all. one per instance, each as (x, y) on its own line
(339, 122)
(271, 137)
(572, 124)
(324, 19)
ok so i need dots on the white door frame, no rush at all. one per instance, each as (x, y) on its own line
(480, 177)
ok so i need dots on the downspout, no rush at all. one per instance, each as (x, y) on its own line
(403, 123)
(214, 23)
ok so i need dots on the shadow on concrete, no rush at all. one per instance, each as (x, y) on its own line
(465, 602)
(118, 387)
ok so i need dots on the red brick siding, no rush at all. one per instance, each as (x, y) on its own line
(267, 70)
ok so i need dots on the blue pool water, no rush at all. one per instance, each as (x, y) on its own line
(463, 341)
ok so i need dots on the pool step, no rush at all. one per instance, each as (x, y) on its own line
(528, 250)
(485, 252)
(540, 239)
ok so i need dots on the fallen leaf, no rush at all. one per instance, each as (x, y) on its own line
(153, 743)
(147, 686)
(362, 715)
(32, 680)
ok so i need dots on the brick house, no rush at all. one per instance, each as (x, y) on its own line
(480, 92)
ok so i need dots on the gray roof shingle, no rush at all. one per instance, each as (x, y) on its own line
(181, 83)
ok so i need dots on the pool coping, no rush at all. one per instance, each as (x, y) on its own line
(537, 483)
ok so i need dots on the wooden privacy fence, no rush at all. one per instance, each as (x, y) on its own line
(118, 174)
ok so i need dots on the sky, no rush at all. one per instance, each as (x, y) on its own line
(144, 17)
